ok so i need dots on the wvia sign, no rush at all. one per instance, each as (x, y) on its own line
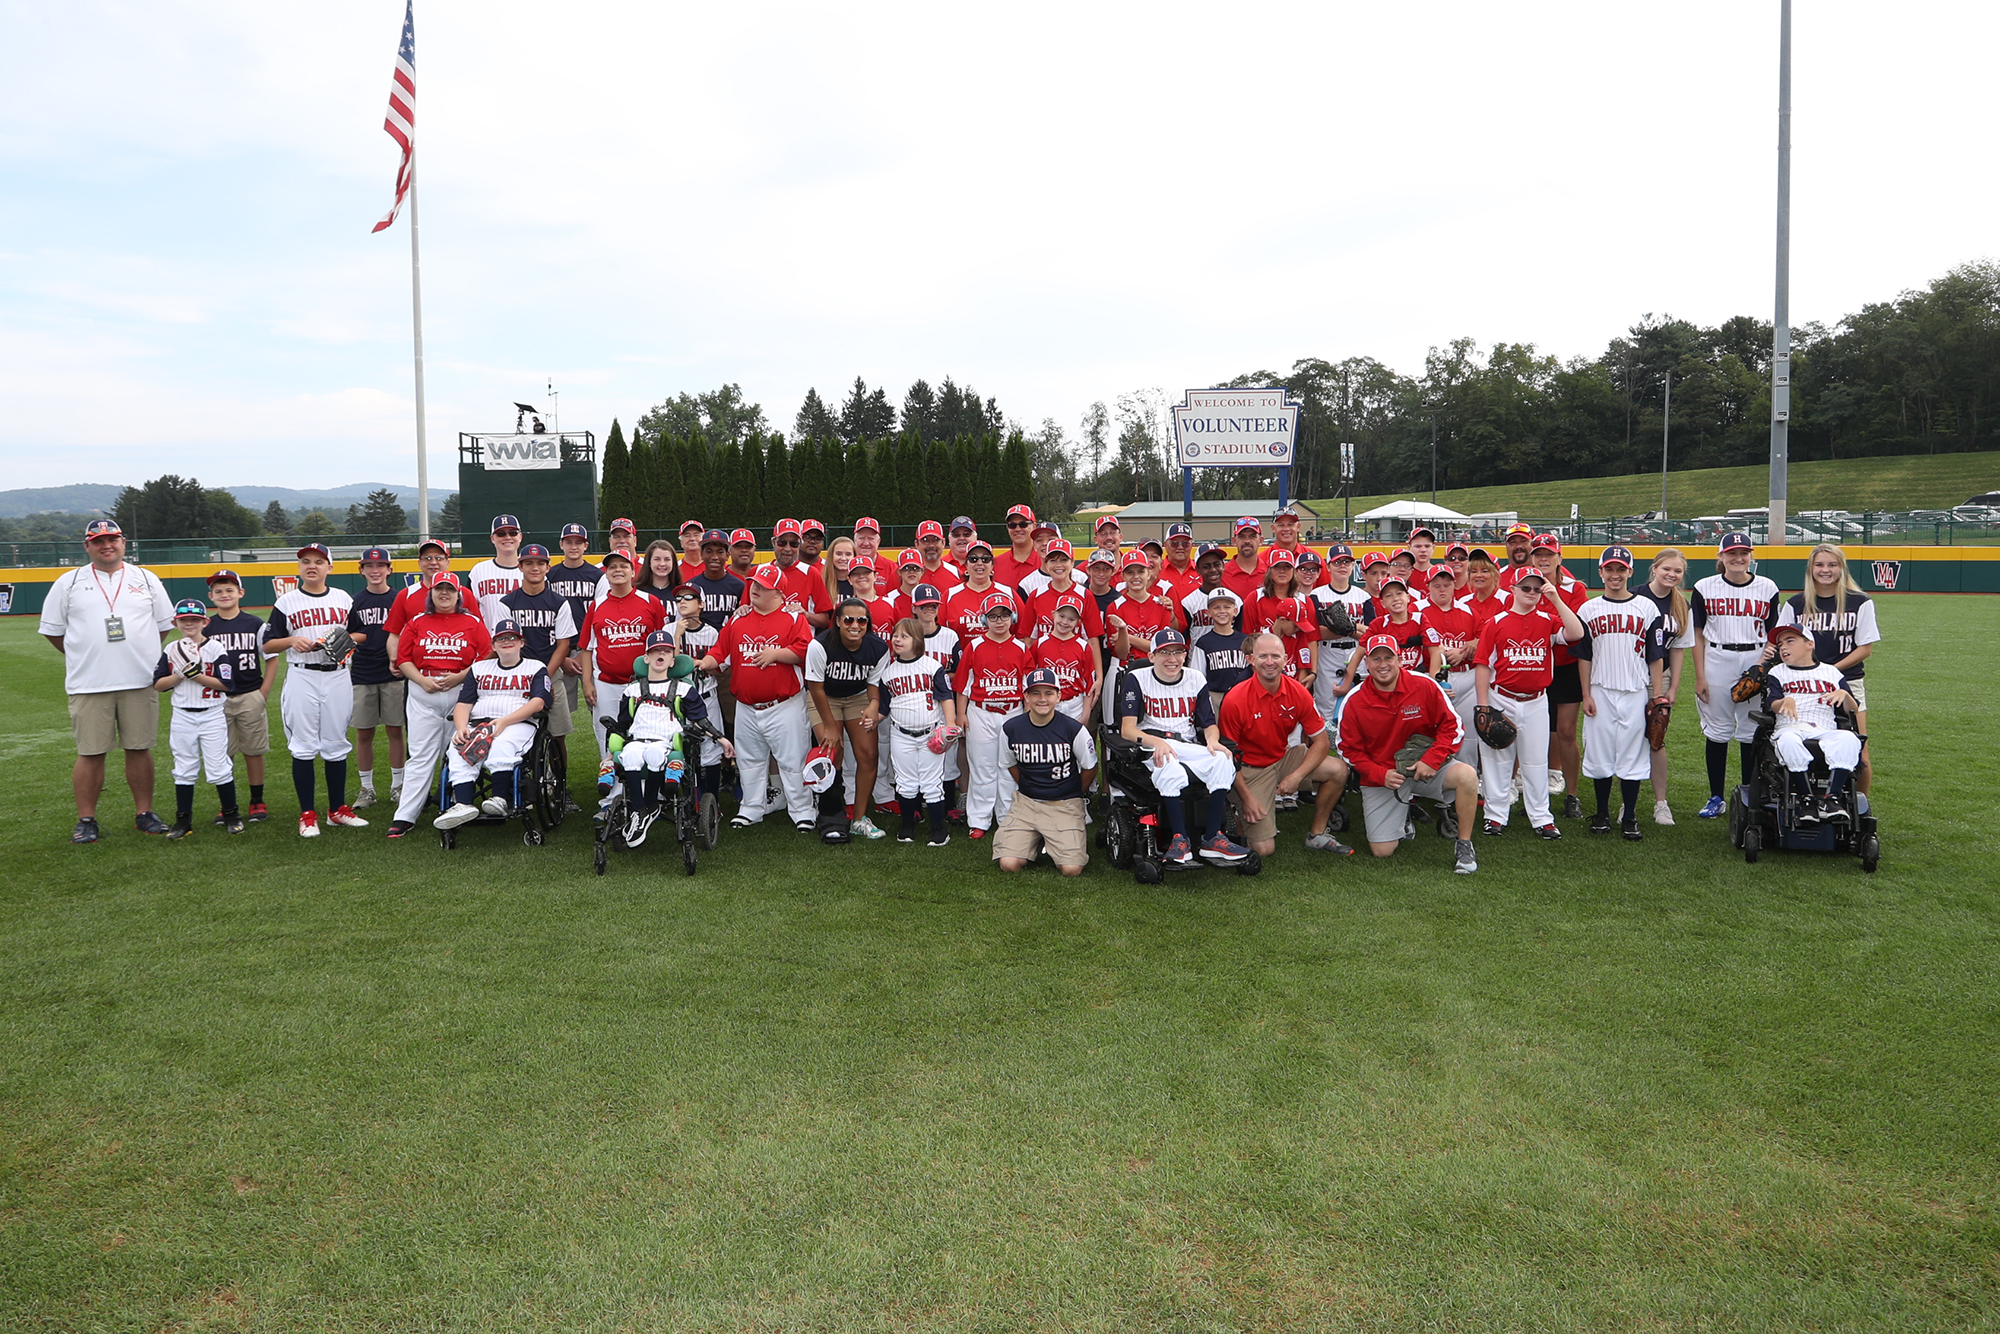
(520, 453)
(1235, 428)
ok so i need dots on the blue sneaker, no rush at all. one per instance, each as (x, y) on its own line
(1713, 809)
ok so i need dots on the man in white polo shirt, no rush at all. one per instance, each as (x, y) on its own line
(106, 619)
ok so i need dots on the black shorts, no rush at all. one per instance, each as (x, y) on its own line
(1567, 688)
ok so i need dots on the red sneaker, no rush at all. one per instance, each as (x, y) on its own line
(309, 825)
(258, 813)
(345, 815)
(976, 833)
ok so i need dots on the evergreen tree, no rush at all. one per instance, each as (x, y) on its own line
(450, 515)
(381, 515)
(613, 493)
(862, 495)
(814, 422)
(750, 469)
(955, 470)
(988, 487)
(833, 481)
(808, 495)
(778, 479)
(670, 488)
(698, 480)
(888, 498)
(920, 412)
(1017, 477)
(275, 520)
(726, 484)
(915, 495)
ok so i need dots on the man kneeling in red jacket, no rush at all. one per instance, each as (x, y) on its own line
(1377, 720)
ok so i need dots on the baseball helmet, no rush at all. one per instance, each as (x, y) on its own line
(820, 771)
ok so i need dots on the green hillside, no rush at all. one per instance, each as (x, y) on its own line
(1907, 482)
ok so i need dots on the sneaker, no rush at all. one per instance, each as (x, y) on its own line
(805, 826)
(735, 821)
(1712, 809)
(1550, 832)
(1572, 808)
(1629, 830)
(1662, 813)
(258, 813)
(85, 831)
(1287, 801)
(1325, 842)
(1557, 783)
(148, 823)
(866, 828)
(182, 827)
(398, 828)
(1492, 830)
(1220, 849)
(221, 819)
(907, 832)
(346, 816)
(1600, 824)
(975, 833)
(233, 822)
(938, 840)
(1466, 861)
(569, 804)
(637, 824)
(1178, 851)
(308, 825)
(496, 806)
(460, 812)
(365, 800)
(1831, 808)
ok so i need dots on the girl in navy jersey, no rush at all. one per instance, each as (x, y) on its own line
(1841, 620)
(1663, 588)
(659, 573)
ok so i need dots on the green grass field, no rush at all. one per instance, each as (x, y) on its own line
(1917, 481)
(252, 1083)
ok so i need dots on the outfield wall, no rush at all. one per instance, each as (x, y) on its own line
(1876, 569)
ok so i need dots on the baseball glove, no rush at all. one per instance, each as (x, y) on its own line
(1495, 728)
(1412, 751)
(1658, 714)
(935, 742)
(187, 657)
(476, 747)
(1336, 621)
(339, 645)
(1748, 686)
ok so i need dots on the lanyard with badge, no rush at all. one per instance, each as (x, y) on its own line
(114, 624)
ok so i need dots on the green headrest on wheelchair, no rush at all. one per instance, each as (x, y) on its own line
(682, 669)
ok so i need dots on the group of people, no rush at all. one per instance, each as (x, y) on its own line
(1261, 668)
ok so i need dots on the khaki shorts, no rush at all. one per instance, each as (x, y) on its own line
(379, 704)
(845, 707)
(1034, 826)
(1388, 813)
(115, 719)
(1263, 785)
(559, 723)
(249, 716)
(1859, 689)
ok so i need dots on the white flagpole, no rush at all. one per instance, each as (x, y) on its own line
(417, 323)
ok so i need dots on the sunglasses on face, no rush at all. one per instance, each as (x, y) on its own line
(854, 620)
(506, 532)
(1018, 523)
(786, 542)
(979, 560)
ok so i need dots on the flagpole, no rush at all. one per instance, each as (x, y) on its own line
(417, 324)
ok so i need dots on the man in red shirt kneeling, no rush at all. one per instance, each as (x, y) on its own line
(1380, 717)
(1260, 715)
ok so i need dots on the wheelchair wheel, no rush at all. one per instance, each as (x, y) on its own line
(1122, 836)
(447, 839)
(1753, 842)
(548, 791)
(1147, 871)
(1251, 865)
(1446, 822)
(1336, 822)
(689, 856)
(1739, 817)
(711, 821)
(532, 835)
(1871, 853)
(597, 857)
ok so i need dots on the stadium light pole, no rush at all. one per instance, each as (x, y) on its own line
(1666, 428)
(1781, 328)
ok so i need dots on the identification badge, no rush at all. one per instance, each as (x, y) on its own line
(114, 629)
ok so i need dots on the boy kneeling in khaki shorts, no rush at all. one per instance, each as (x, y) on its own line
(1052, 760)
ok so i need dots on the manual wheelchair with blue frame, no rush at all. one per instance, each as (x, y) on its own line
(539, 790)
(1767, 812)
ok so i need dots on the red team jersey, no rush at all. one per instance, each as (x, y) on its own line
(1042, 612)
(749, 633)
(1261, 723)
(1414, 638)
(803, 587)
(1144, 620)
(1517, 648)
(1010, 569)
(412, 601)
(1575, 594)
(1455, 629)
(1261, 614)
(441, 643)
(883, 613)
(1482, 610)
(615, 633)
(962, 610)
(944, 578)
(990, 671)
(1069, 659)
(1247, 587)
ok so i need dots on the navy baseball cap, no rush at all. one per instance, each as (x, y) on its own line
(506, 521)
(1339, 551)
(506, 626)
(964, 522)
(715, 535)
(1737, 542)
(684, 591)
(1169, 639)
(1041, 676)
(926, 595)
(226, 577)
(375, 554)
(1211, 549)
(1309, 557)
(102, 528)
(575, 530)
(658, 639)
(320, 547)
(1180, 530)
(1616, 556)
(190, 607)
(532, 551)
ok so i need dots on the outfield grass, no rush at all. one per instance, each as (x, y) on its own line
(255, 1083)
(1916, 481)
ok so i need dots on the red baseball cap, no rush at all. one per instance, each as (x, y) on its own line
(1780, 631)
(1106, 521)
(1548, 542)
(743, 535)
(910, 556)
(997, 602)
(930, 528)
(765, 576)
(1373, 558)
(1283, 557)
(694, 523)
(624, 526)
(609, 556)
(812, 526)
(1248, 524)
(1103, 556)
(1373, 642)
(1071, 599)
(865, 522)
(1021, 512)
(979, 544)
(1136, 557)
(447, 577)
(788, 528)
(1059, 547)
(1520, 530)
(1442, 572)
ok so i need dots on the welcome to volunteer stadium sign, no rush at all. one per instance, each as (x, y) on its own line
(1235, 428)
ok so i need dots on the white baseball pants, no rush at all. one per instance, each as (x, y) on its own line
(1722, 718)
(990, 793)
(509, 748)
(315, 708)
(429, 728)
(762, 735)
(1171, 778)
(200, 739)
(1842, 749)
(1614, 741)
(1464, 698)
(918, 772)
(1531, 747)
(1073, 708)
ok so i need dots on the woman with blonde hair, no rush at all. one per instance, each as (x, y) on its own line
(1841, 620)
(1663, 586)
(839, 560)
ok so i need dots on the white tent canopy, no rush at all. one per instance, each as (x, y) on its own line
(1411, 510)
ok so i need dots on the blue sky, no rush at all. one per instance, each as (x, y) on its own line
(1055, 202)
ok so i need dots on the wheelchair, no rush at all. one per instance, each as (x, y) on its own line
(697, 819)
(539, 789)
(1136, 833)
(1767, 813)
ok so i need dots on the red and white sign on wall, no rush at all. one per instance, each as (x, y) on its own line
(1235, 428)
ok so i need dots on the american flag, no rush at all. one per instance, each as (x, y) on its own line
(402, 120)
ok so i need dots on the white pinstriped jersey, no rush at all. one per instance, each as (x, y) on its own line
(913, 690)
(1727, 613)
(310, 614)
(1623, 640)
